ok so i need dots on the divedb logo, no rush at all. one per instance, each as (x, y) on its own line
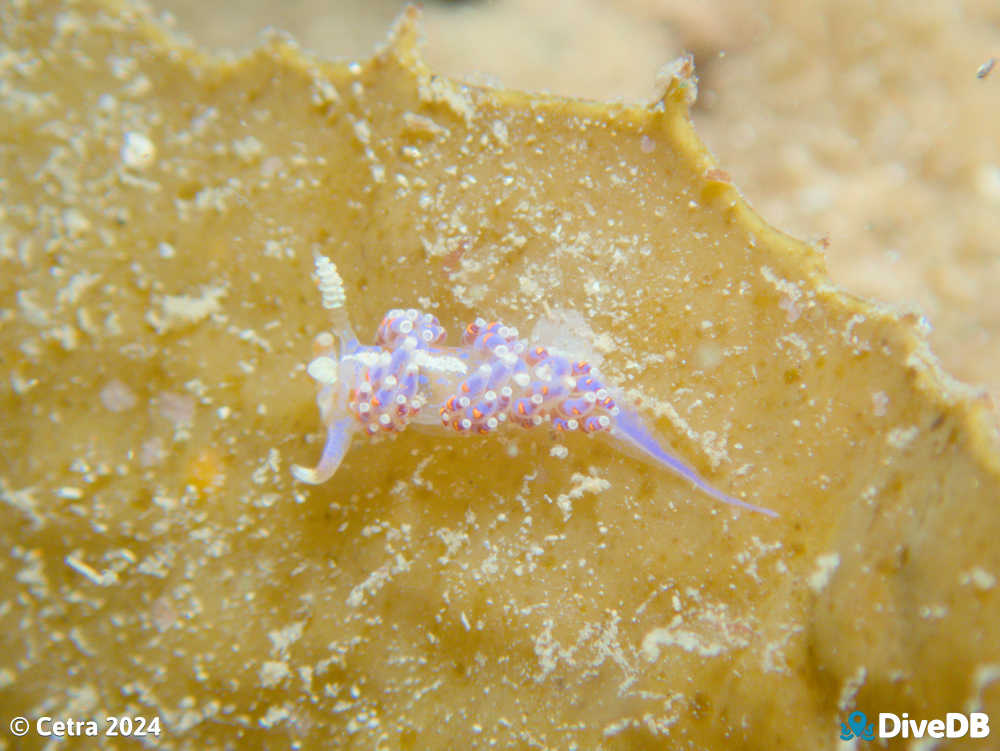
(954, 725)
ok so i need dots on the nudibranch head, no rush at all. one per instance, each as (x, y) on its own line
(325, 369)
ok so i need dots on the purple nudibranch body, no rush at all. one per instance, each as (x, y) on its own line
(409, 376)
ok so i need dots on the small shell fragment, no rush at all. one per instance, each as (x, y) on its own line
(138, 151)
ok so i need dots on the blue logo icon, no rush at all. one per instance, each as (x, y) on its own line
(857, 726)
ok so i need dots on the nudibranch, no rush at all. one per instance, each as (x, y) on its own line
(409, 376)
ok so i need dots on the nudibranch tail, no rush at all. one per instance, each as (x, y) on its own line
(629, 429)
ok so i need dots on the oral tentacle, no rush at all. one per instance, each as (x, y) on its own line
(338, 440)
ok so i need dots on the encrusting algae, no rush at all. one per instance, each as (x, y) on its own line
(161, 214)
